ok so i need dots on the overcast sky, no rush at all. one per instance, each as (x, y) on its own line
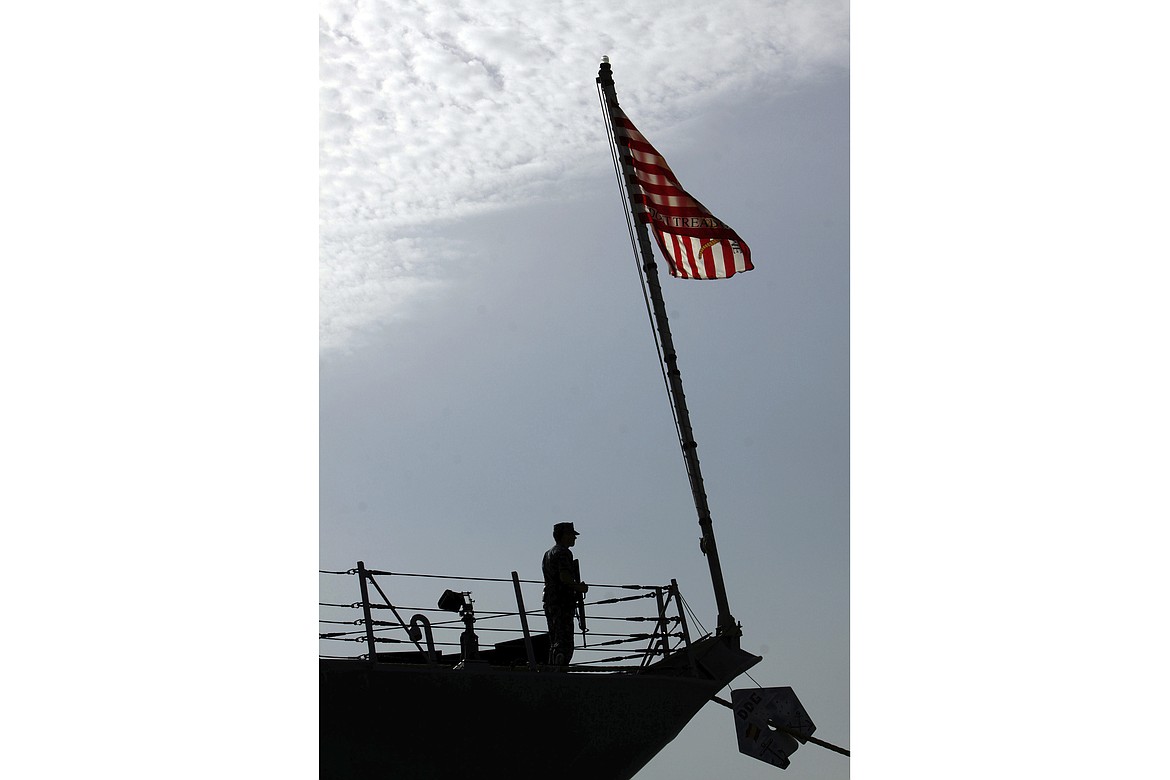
(434, 112)
(487, 365)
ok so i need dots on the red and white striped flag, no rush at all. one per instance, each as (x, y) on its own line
(695, 243)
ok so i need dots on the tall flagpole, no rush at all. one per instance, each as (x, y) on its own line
(726, 623)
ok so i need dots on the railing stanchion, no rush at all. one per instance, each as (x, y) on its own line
(682, 622)
(361, 567)
(524, 622)
(663, 626)
(682, 618)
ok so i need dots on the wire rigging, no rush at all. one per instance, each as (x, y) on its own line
(665, 638)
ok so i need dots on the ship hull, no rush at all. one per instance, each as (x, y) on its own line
(391, 720)
(394, 720)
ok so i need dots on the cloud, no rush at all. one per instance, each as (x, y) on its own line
(371, 276)
(433, 111)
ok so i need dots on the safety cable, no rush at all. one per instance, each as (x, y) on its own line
(377, 630)
(380, 572)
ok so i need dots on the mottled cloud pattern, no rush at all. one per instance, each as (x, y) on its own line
(435, 111)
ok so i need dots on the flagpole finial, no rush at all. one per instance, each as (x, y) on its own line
(605, 73)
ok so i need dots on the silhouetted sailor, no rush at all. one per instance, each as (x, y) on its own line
(561, 591)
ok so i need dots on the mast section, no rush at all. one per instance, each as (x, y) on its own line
(726, 622)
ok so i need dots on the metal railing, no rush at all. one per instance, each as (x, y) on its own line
(376, 621)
